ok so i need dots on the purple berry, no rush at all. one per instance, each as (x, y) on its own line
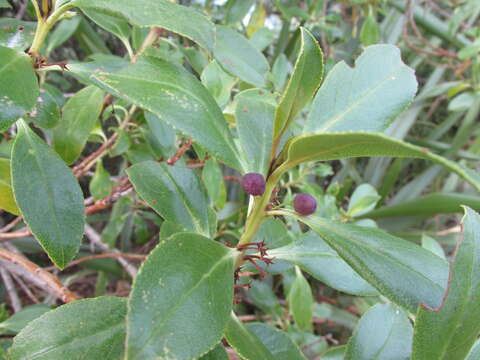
(304, 204)
(253, 184)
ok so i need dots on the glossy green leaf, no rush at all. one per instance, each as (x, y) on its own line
(162, 13)
(217, 82)
(280, 71)
(101, 185)
(277, 342)
(304, 82)
(218, 353)
(80, 114)
(47, 111)
(245, 342)
(428, 205)
(367, 97)
(400, 270)
(15, 323)
(239, 57)
(334, 146)
(175, 192)
(110, 22)
(363, 199)
(384, 332)
(18, 87)
(314, 256)
(83, 329)
(177, 97)
(254, 113)
(16, 34)
(237, 10)
(213, 179)
(7, 200)
(370, 32)
(181, 299)
(62, 32)
(450, 332)
(300, 301)
(161, 136)
(48, 196)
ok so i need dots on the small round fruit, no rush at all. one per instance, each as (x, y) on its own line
(304, 204)
(253, 184)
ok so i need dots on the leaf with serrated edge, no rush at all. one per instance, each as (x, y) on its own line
(367, 97)
(304, 82)
(162, 13)
(83, 329)
(181, 299)
(343, 145)
(177, 97)
(48, 195)
(450, 331)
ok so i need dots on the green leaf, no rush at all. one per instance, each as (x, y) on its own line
(18, 88)
(175, 192)
(363, 199)
(213, 179)
(80, 114)
(4, 4)
(16, 34)
(181, 299)
(62, 32)
(277, 342)
(474, 353)
(19, 320)
(300, 301)
(161, 136)
(7, 200)
(304, 82)
(110, 22)
(47, 114)
(314, 256)
(101, 185)
(177, 97)
(254, 113)
(162, 13)
(336, 353)
(428, 205)
(237, 10)
(370, 32)
(218, 83)
(367, 97)
(245, 342)
(384, 332)
(450, 331)
(433, 246)
(239, 57)
(388, 263)
(330, 312)
(218, 353)
(83, 329)
(334, 146)
(48, 195)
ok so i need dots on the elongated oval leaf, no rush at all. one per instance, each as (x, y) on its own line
(83, 329)
(48, 195)
(218, 353)
(450, 332)
(47, 114)
(276, 341)
(80, 114)
(384, 332)
(304, 82)
(162, 13)
(314, 256)
(300, 301)
(367, 97)
(7, 201)
(181, 299)
(175, 192)
(334, 146)
(400, 270)
(177, 97)
(239, 57)
(245, 342)
(18, 87)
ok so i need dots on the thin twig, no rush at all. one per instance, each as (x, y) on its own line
(11, 291)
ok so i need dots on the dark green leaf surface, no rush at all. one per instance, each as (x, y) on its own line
(254, 113)
(218, 353)
(48, 195)
(334, 146)
(175, 192)
(245, 342)
(18, 87)
(84, 329)
(181, 299)
(304, 82)
(47, 114)
(19, 320)
(177, 97)
(367, 97)
(16, 34)
(384, 332)
(314, 256)
(239, 57)
(162, 13)
(450, 332)
(80, 114)
(400, 270)
(276, 341)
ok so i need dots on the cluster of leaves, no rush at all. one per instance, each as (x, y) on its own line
(194, 96)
